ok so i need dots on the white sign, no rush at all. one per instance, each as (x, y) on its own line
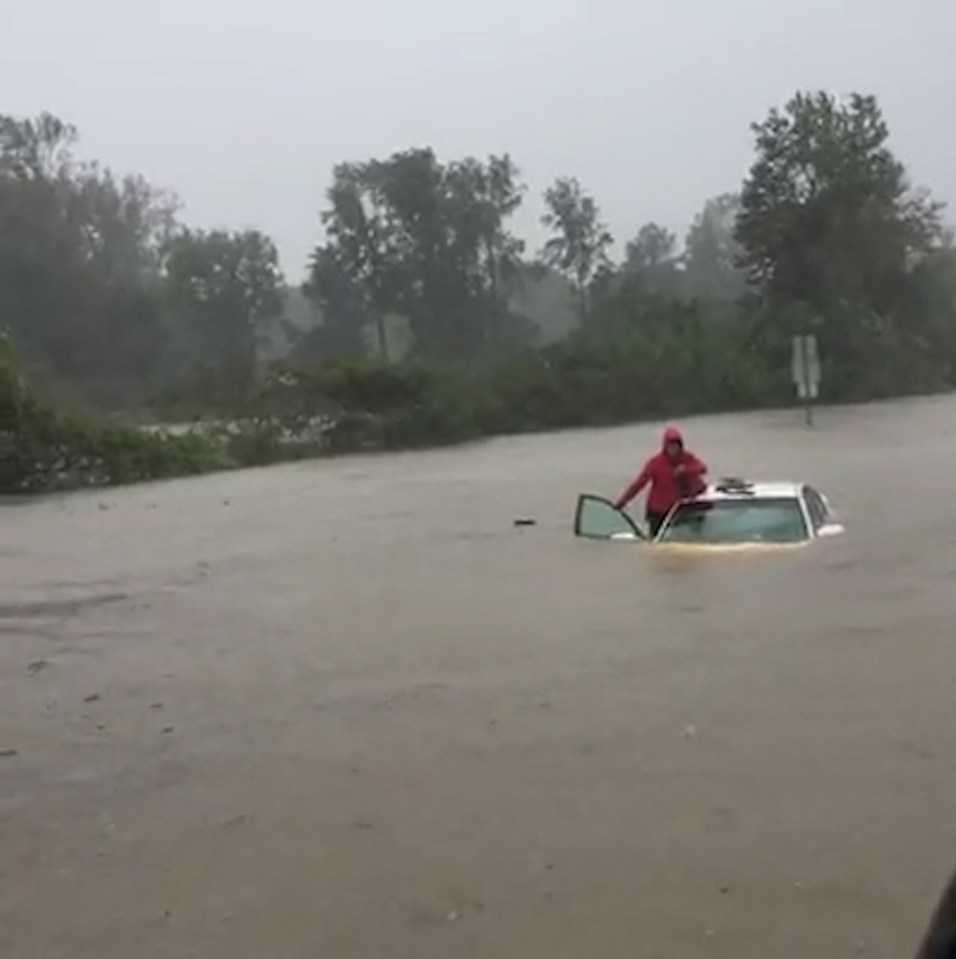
(805, 367)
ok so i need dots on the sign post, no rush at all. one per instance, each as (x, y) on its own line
(805, 369)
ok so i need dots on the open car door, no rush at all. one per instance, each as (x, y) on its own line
(598, 518)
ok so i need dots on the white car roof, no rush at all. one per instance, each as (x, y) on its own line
(735, 490)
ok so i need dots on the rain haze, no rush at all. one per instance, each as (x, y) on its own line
(283, 683)
(243, 107)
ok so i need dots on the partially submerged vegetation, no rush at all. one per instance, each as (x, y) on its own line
(45, 444)
(112, 299)
(345, 407)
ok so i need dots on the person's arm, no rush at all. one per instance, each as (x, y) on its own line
(691, 466)
(690, 475)
(643, 478)
(696, 467)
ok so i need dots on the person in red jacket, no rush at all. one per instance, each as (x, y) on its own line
(673, 474)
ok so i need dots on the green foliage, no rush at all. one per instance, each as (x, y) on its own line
(579, 247)
(652, 265)
(376, 405)
(681, 362)
(225, 292)
(434, 326)
(414, 238)
(43, 446)
(654, 248)
(712, 253)
(79, 257)
(834, 240)
(102, 288)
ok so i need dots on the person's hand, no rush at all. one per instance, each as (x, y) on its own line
(680, 469)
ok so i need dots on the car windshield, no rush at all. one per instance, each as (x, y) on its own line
(770, 520)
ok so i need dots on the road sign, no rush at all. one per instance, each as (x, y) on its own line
(805, 370)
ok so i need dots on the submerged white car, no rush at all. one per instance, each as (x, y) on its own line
(729, 513)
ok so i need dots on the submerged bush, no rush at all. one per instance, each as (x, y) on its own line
(46, 446)
(674, 362)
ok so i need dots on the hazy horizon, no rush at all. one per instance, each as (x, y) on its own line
(242, 109)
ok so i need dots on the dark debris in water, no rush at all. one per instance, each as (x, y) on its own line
(61, 607)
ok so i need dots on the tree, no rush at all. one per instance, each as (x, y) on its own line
(352, 277)
(652, 258)
(483, 197)
(831, 230)
(711, 251)
(79, 261)
(343, 306)
(36, 150)
(413, 238)
(126, 223)
(432, 262)
(224, 293)
(579, 248)
(654, 247)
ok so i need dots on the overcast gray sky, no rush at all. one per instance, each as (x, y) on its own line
(243, 106)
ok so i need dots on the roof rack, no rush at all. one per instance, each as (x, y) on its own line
(733, 484)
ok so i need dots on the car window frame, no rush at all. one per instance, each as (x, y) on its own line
(583, 497)
(810, 495)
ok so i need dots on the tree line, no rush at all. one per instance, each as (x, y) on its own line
(104, 288)
(420, 290)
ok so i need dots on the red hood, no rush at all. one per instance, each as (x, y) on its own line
(672, 435)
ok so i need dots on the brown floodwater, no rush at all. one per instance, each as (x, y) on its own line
(347, 709)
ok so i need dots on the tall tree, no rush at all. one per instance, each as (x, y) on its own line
(79, 261)
(483, 197)
(225, 293)
(353, 278)
(434, 295)
(579, 247)
(343, 306)
(654, 247)
(37, 150)
(411, 237)
(711, 251)
(652, 257)
(831, 229)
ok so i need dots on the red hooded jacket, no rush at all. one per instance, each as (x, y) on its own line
(667, 488)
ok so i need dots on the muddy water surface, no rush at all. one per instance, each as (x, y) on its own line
(347, 709)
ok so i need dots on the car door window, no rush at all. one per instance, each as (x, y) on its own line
(598, 518)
